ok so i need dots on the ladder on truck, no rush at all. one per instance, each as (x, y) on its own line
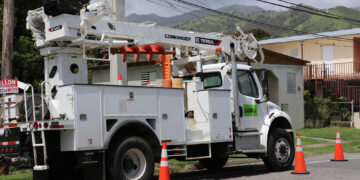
(37, 142)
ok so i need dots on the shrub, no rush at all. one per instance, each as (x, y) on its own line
(324, 110)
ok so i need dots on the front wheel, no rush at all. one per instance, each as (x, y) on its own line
(281, 151)
(131, 159)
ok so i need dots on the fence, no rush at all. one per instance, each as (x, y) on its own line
(332, 71)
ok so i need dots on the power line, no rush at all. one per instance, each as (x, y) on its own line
(261, 23)
(173, 7)
(310, 12)
(184, 7)
(318, 10)
(201, 3)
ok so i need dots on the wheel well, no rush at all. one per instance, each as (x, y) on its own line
(140, 130)
(280, 122)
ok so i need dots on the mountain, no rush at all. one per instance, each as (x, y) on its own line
(190, 16)
(242, 9)
(303, 22)
(357, 8)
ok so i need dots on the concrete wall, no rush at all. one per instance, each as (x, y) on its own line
(293, 104)
(357, 120)
(312, 49)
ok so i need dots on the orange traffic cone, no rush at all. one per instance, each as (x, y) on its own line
(339, 154)
(148, 83)
(164, 164)
(300, 167)
(120, 79)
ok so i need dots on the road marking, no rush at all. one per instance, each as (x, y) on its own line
(314, 162)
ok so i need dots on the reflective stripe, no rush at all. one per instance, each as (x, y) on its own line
(338, 135)
(298, 145)
(9, 143)
(338, 141)
(12, 125)
(164, 163)
(299, 149)
(164, 153)
(298, 141)
(120, 82)
(8, 126)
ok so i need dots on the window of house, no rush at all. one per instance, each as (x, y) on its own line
(148, 76)
(291, 83)
(247, 85)
(294, 52)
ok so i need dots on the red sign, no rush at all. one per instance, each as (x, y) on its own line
(8, 86)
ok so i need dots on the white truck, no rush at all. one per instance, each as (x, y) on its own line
(110, 131)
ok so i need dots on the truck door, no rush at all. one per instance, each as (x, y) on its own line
(252, 111)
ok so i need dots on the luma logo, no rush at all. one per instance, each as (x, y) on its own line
(250, 110)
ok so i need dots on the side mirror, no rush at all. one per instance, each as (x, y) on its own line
(264, 80)
(264, 84)
(266, 96)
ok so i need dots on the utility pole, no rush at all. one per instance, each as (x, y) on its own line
(7, 41)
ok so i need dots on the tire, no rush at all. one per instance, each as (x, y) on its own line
(280, 151)
(214, 163)
(131, 159)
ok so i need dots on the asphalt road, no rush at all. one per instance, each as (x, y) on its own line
(320, 167)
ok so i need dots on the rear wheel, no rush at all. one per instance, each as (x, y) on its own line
(131, 159)
(281, 151)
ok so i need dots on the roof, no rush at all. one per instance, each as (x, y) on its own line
(312, 36)
(272, 57)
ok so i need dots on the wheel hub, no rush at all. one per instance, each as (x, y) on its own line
(282, 150)
(134, 164)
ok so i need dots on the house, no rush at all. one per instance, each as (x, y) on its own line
(335, 61)
(285, 77)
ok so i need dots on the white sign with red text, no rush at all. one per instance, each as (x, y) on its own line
(9, 86)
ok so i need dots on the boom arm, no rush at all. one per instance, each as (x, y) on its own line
(95, 21)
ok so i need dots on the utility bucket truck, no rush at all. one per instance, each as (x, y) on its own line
(110, 131)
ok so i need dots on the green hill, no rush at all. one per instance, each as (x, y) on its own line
(300, 21)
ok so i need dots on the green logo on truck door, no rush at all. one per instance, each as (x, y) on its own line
(250, 110)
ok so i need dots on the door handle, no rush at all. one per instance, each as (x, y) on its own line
(241, 111)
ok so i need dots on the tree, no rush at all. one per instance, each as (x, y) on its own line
(260, 34)
(7, 39)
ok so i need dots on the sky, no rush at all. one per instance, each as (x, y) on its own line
(152, 6)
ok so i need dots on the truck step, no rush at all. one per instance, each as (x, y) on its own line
(41, 167)
(254, 151)
(248, 133)
(38, 145)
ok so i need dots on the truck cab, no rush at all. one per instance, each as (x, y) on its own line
(264, 130)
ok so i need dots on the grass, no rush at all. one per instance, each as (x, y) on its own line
(350, 139)
(308, 141)
(23, 175)
(347, 147)
(180, 166)
(347, 134)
